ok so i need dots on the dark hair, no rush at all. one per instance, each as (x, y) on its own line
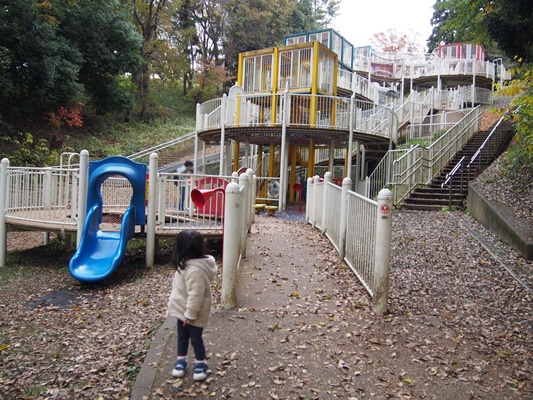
(188, 162)
(189, 244)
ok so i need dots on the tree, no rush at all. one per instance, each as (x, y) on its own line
(302, 18)
(324, 11)
(457, 21)
(255, 24)
(149, 16)
(392, 41)
(38, 68)
(105, 36)
(55, 52)
(184, 39)
(510, 24)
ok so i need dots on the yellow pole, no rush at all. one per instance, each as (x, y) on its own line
(240, 70)
(292, 151)
(311, 161)
(314, 85)
(235, 156)
(272, 160)
(259, 160)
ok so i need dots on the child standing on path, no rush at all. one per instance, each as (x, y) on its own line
(190, 299)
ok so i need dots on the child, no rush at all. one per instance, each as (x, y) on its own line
(190, 299)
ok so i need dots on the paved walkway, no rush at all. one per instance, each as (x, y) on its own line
(284, 287)
(304, 329)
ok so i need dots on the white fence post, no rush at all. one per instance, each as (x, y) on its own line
(251, 198)
(316, 181)
(47, 202)
(3, 205)
(327, 179)
(346, 185)
(382, 251)
(308, 199)
(244, 182)
(152, 204)
(254, 195)
(82, 197)
(230, 246)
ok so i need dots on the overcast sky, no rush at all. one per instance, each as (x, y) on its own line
(358, 20)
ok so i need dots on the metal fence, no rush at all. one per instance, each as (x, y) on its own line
(49, 196)
(41, 195)
(359, 228)
(315, 111)
(403, 170)
(361, 238)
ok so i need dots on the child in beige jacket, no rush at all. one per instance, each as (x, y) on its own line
(190, 300)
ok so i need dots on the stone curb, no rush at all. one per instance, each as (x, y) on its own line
(146, 377)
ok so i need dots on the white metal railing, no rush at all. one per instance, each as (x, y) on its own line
(361, 238)
(175, 209)
(430, 126)
(359, 228)
(420, 164)
(314, 111)
(333, 216)
(116, 193)
(381, 176)
(42, 195)
(162, 146)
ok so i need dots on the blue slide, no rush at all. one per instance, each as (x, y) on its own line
(100, 252)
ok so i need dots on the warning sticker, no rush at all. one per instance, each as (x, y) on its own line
(385, 209)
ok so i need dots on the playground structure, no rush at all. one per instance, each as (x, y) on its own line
(319, 104)
(312, 107)
(108, 202)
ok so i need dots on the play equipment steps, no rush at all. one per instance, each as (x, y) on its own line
(435, 197)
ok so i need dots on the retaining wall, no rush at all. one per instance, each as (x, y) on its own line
(500, 219)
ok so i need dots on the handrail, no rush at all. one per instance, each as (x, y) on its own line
(331, 113)
(162, 146)
(489, 137)
(450, 174)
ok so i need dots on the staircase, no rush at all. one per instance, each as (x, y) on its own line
(450, 187)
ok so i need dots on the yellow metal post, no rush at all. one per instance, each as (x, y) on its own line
(292, 152)
(272, 160)
(314, 86)
(259, 170)
(311, 160)
(235, 156)
(240, 70)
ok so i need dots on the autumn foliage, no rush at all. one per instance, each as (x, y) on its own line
(67, 116)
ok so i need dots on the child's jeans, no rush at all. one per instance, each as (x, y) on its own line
(194, 335)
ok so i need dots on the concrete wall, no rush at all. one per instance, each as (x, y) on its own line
(500, 219)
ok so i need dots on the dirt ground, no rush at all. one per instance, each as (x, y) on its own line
(459, 325)
(304, 328)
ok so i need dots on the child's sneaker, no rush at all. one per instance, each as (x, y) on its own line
(200, 371)
(179, 368)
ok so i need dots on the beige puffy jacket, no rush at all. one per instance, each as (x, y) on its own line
(191, 291)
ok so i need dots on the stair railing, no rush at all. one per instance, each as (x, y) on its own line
(161, 146)
(449, 178)
(492, 144)
(420, 165)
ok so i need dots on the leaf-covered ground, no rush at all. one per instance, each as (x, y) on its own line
(458, 323)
